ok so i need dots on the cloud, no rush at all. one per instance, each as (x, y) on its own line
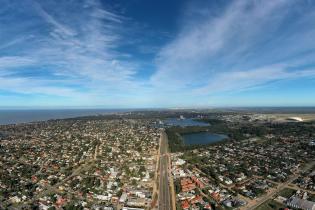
(237, 81)
(14, 42)
(242, 46)
(74, 40)
(85, 50)
(8, 62)
(58, 27)
(31, 86)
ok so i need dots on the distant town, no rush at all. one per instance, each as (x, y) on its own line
(161, 160)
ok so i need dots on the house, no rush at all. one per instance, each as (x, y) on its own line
(123, 198)
(185, 204)
(198, 182)
(187, 185)
(197, 199)
(207, 206)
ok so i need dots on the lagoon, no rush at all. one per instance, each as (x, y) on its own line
(184, 122)
(202, 138)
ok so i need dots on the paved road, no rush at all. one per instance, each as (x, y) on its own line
(280, 187)
(164, 191)
(272, 194)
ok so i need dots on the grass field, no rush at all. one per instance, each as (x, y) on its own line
(287, 192)
(270, 205)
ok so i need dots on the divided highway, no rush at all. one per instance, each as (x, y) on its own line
(164, 189)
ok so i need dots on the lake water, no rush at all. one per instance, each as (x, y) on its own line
(22, 116)
(202, 138)
(184, 122)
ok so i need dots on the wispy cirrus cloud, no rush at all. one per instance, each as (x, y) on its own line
(59, 28)
(87, 50)
(31, 86)
(237, 81)
(73, 40)
(8, 62)
(242, 47)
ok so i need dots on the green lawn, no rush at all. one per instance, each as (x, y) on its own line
(270, 205)
(287, 192)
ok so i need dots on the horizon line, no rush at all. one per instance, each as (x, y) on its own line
(143, 108)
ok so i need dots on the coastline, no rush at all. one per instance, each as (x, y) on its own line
(11, 117)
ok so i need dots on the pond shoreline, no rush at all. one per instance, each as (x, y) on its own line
(202, 138)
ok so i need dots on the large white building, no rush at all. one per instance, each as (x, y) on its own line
(301, 203)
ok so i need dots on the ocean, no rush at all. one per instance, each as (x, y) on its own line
(24, 116)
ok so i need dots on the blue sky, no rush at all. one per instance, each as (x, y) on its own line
(145, 53)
